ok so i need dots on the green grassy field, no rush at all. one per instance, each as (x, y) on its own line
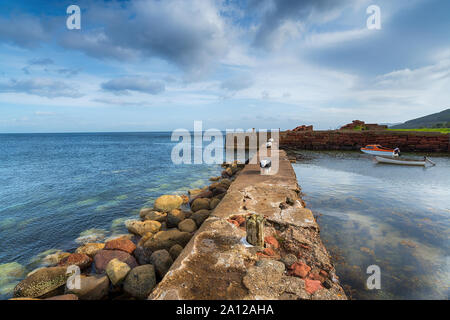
(442, 130)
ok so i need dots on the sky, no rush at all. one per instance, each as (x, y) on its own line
(149, 65)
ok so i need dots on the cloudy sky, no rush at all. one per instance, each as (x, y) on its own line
(149, 65)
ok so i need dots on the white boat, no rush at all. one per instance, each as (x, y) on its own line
(402, 161)
(377, 150)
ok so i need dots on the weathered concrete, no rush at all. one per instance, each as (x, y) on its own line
(216, 264)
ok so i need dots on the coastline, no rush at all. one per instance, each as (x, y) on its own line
(154, 248)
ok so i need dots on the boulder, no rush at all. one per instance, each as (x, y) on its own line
(175, 217)
(103, 257)
(289, 260)
(142, 254)
(91, 287)
(214, 178)
(54, 258)
(151, 214)
(166, 239)
(162, 261)
(200, 216)
(120, 244)
(218, 190)
(213, 203)
(166, 203)
(41, 282)
(142, 227)
(199, 204)
(144, 238)
(90, 249)
(203, 194)
(79, 259)
(140, 281)
(117, 271)
(175, 251)
(187, 225)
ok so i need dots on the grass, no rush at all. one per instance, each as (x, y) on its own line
(441, 130)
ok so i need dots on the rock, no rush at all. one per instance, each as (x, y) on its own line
(90, 249)
(79, 259)
(200, 216)
(120, 244)
(272, 242)
(214, 178)
(175, 217)
(162, 261)
(140, 281)
(166, 239)
(312, 286)
(54, 258)
(142, 227)
(296, 286)
(199, 204)
(151, 214)
(117, 271)
(213, 203)
(145, 237)
(41, 282)
(142, 254)
(69, 296)
(218, 190)
(91, 287)
(300, 269)
(289, 260)
(166, 203)
(185, 198)
(175, 251)
(203, 194)
(103, 257)
(229, 171)
(187, 225)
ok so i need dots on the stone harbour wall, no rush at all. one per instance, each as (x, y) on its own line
(218, 263)
(351, 140)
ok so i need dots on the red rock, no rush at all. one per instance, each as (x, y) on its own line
(79, 259)
(272, 241)
(299, 269)
(269, 252)
(316, 276)
(323, 273)
(121, 244)
(233, 222)
(239, 219)
(312, 286)
(102, 258)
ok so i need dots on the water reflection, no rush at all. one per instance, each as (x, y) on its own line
(393, 216)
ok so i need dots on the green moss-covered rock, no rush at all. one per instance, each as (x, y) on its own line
(41, 282)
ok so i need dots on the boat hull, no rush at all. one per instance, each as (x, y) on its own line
(378, 153)
(400, 161)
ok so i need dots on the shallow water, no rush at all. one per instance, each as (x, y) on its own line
(57, 188)
(395, 217)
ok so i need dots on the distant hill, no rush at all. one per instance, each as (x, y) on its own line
(435, 120)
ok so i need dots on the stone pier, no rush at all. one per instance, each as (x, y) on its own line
(218, 263)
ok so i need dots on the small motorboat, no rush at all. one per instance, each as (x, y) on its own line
(403, 161)
(376, 149)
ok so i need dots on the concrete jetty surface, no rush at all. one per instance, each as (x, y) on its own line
(218, 264)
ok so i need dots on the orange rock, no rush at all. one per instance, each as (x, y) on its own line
(272, 241)
(269, 252)
(120, 244)
(79, 259)
(312, 286)
(239, 219)
(299, 269)
(233, 222)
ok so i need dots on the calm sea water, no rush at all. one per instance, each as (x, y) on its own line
(56, 188)
(395, 217)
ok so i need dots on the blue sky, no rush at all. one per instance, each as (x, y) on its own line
(151, 65)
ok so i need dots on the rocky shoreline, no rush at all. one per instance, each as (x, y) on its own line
(129, 267)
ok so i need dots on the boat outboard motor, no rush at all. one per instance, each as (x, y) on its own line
(265, 166)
